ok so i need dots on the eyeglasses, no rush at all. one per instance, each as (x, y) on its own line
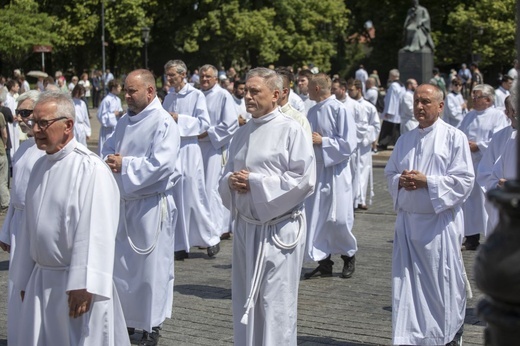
(24, 113)
(474, 97)
(43, 124)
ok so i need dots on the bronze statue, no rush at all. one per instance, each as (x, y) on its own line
(417, 29)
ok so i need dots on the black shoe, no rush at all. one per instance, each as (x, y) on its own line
(131, 331)
(181, 255)
(213, 250)
(472, 242)
(349, 266)
(457, 341)
(324, 269)
(150, 339)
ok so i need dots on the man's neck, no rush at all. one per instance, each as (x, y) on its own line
(323, 97)
(180, 87)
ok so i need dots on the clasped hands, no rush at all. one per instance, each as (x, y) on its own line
(239, 181)
(115, 162)
(412, 180)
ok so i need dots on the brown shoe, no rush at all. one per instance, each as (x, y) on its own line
(225, 236)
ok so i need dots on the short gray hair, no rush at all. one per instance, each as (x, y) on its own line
(486, 90)
(179, 66)
(64, 104)
(394, 73)
(272, 79)
(32, 95)
(210, 67)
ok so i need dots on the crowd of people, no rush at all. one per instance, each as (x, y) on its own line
(277, 158)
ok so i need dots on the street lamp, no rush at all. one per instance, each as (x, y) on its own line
(146, 39)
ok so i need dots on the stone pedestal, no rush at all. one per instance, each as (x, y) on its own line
(416, 65)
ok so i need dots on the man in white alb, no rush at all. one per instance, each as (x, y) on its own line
(429, 176)
(141, 153)
(270, 172)
(330, 210)
(365, 145)
(479, 125)
(214, 142)
(64, 258)
(188, 108)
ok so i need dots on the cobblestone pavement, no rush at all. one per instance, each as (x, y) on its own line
(332, 311)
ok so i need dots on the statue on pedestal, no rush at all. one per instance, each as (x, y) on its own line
(417, 37)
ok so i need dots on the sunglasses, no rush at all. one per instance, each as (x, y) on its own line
(24, 113)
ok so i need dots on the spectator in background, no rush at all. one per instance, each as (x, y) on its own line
(455, 107)
(465, 76)
(87, 85)
(438, 80)
(503, 91)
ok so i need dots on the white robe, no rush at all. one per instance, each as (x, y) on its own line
(107, 118)
(307, 102)
(296, 102)
(81, 123)
(330, 212)
(500, 97)
(408, 121)
(143, 271)
(365, 153)
(13, 128)
(428, 287)
(299, 117)
(479, 127)
(392, 102)
(356, 110)
(194, 226)
(67, 243)
(240, 108)
(490, 166)
(23, 162)
(372, 95)
(223, 125)
(453, 112)
(279, 156)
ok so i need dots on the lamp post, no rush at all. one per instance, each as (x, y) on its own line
(146, 39)
(103, 39)
(497, 269)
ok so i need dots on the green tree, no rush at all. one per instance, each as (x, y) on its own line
(22, 28)
(484, 29)
(252, 33)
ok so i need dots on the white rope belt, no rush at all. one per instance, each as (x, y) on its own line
(160, 221)
(259, 262)
(57, 268)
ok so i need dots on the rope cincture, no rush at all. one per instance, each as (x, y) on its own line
(296, 214)
(162, 219)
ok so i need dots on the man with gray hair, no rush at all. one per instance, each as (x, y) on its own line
(187, 106)
(390, 128)
(429, 176)
(270, 172)
(213, 143)
(23, 162)
(63, 263)
(479, 125)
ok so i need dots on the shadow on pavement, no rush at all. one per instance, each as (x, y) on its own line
(203, 291)
(313, 340)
